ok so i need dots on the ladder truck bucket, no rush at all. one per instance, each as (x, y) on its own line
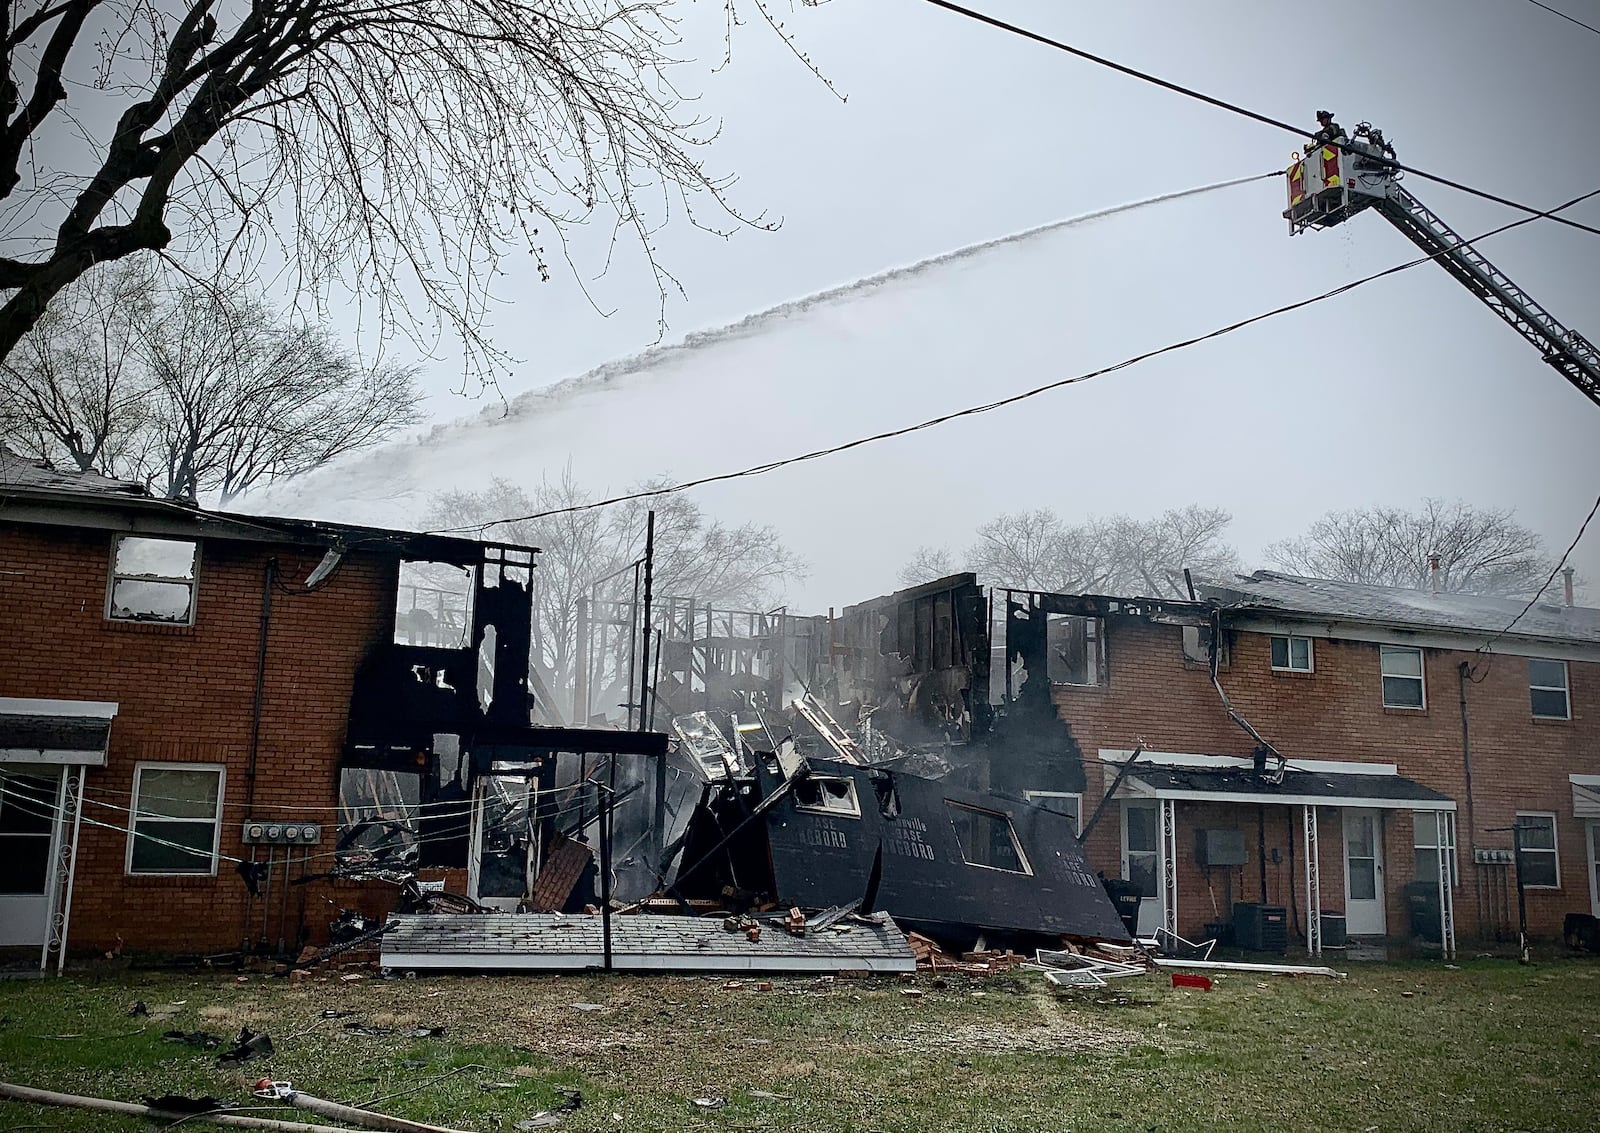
(1333, 182)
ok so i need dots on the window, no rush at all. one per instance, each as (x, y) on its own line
(1541, 865)
(987, 838)
(177, 818)
(1426, 841)
(1075, 649)
(152, 580)
(1547, 687)
(1139, 846)
(27, 823)
(1061, 802)
(1402, 677)
(378, 815)
(1292, 654)
(433, 605)
(827, 794)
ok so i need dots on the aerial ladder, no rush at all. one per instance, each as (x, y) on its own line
(1336, 180)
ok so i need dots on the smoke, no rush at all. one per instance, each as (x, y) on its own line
(655, 359)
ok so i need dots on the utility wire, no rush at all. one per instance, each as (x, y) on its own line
(1564, 16)
(816, 454)
(1555, 570)
(1235, 108)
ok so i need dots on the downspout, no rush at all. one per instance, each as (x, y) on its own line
(1463, 669)
(268, 579)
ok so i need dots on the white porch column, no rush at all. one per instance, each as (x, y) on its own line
(1313, 883)
(1444, 823)
(1169, 866)
(64, 857)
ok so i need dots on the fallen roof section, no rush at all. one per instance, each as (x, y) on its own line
(642, 942)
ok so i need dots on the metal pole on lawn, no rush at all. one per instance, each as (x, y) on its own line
(605, 862)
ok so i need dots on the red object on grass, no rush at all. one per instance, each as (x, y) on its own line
(1184, 979)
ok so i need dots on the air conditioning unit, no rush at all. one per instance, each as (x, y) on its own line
(1261, 928)
(1220, 847)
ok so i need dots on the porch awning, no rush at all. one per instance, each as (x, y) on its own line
(1299, 788)
(55, 731)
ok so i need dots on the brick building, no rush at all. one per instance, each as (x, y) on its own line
(1401, 730)
(185, 693)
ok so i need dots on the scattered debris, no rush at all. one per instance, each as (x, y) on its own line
(1232, 966)
(179, 1103)
(138, 1008)
(710, 1103)
(769, 1096)
(203, 1039)
(248, 1046)
(107, 1105)
(1185, 979)
(541, 1120)
(588, 1007)
(268, 1090)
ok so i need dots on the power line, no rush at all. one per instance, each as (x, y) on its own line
(1233, 107)
(1564, 16)
(972, 411)
(1555, 570)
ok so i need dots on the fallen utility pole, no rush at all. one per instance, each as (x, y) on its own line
(106, 1105)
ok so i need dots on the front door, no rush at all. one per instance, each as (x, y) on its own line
(1141, 853)
(28, 833)
(1363, 872)
(1594, 867)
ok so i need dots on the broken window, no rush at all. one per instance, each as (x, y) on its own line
(378, 819)
(433, 605)
(987, 838)
(1061, 802)
(177, 817)
(152, 580)
(1076, 649)
(828, 794)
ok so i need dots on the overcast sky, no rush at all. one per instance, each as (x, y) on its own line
(953, 134)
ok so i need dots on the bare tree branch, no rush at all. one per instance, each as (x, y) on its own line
(399, 148)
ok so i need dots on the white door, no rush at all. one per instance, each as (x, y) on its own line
(1594, 867)
(1363, 872)
(502, 841)
(28, 833)
(1141, 841)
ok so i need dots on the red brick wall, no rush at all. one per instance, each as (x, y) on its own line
(186, 695)
(1336, 713)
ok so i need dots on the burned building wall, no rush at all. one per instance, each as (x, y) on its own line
(917, 660)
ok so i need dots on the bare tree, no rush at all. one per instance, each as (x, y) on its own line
(191, 392)
(586, 555)
(403, 144)
(1037, 550)
(927, 564)
(1481, 550)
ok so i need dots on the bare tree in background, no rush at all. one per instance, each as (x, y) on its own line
(927, 564)
(586, 554)
(1037, 550)
(191, 392)
(1481, 550)
(405, 144)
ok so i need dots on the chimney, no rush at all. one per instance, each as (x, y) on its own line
(1433, 572)
(1566, 585)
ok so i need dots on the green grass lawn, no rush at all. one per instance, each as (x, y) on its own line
(1488, 1045)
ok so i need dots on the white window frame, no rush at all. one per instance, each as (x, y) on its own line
(1565, 688)
(216, 821)
(112, 578)
(1011, 829)
(1291, 667)
(848, 807)
(1421, 678)
(1424, 823)
(1555, 842)
(1035, 798)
